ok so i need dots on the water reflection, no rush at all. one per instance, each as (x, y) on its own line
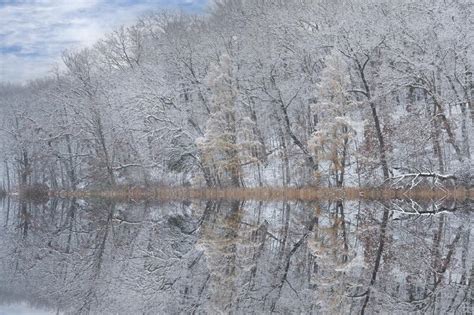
(235, 256)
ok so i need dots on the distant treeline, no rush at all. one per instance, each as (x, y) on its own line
(253, 93)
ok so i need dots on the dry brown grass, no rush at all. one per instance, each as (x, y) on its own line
(270, 194)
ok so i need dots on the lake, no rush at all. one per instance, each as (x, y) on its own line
(231, 256)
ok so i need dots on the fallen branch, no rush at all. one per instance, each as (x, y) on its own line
(435, 175)
(417, 178)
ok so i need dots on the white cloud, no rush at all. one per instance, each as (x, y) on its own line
(33, 33)
(20, 69)
(23, 309)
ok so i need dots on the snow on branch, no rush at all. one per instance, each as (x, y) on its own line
(416, 178)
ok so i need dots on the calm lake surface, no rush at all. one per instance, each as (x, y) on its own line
(241, 257)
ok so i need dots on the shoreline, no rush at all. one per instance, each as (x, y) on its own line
(266, 194)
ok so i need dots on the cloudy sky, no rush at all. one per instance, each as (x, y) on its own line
(33, 33)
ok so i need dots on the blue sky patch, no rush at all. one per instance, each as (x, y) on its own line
(34, 33)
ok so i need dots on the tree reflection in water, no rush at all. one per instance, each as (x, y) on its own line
(237, 256)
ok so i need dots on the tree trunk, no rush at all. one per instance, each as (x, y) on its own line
(378, 259)
(70, 161)
(342, 171)
(381, 141)
(470, 92)
(286, 178)
(462, 104)
(7, 171)
(439, 114)
(103, 145)
(312, 163)
(375, 117)
(25, 169)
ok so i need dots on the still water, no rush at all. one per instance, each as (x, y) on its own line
(241, 257)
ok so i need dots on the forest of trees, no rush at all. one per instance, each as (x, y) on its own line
(253, 93)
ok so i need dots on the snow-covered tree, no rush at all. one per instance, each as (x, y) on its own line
(219, 146)
(336, 108)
